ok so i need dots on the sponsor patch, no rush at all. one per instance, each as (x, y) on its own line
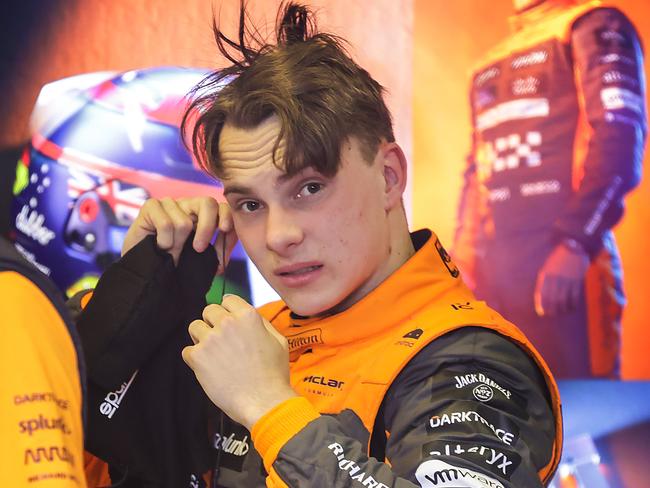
(446, 259)
(48, 454)
(529, 59)
(408, 340)
(603, 204)
(486, 75)
(497, 461)
(29, 426)
(520, 109)
(234, 443)
(612, 38)
(483, 393)
(501, 427)
(485, 389)
(472, 378)
(501, 194)
(511, 152)
(41, 397)
(414, 334)
(618, 77)
(324, 381)
(113, 399)
(540, 188)
(527, 85)
(435, 474)
(614, 98)
(305, 339)
(354, 470)
(616, 58)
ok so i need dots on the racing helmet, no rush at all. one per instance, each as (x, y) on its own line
(101, 145)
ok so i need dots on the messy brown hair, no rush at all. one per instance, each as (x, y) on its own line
(307, 79)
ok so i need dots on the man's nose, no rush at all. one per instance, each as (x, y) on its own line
(283, 231)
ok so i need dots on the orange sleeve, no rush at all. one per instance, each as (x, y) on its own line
(40, 391)
(279, 425)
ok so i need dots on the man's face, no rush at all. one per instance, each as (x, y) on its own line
(322, 243)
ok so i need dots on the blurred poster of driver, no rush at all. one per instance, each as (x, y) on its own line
(559, 126)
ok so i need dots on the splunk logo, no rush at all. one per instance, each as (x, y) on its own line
(231, 445)
(322, 380)
(437, 473)
(113, 399)
(30, 426)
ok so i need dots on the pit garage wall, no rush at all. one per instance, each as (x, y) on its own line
(448, 37)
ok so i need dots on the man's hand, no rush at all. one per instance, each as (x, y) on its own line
(560, 282)
(173, 220)
(240, 360)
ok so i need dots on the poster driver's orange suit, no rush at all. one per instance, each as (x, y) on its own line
(559, 125)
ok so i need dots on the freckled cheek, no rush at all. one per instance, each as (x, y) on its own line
(252, 238)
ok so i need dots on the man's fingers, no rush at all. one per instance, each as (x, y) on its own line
(154, 218)
(206, 213)
(213, 314)
(235, 304)
(187, 355)
(182, 225)
(226, 223)
(198, 329)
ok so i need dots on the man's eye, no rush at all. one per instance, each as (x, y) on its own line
(310, 189)
(250, 206)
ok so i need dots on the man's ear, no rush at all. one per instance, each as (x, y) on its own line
(394, 170)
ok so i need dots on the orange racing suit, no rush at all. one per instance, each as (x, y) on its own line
(416, 384)
(41, 392)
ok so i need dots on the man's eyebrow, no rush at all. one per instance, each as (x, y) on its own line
(244, 190)
(247, 190)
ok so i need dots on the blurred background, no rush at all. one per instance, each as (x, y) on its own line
(422, 51)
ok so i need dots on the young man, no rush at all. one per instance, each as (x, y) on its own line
(378, 368)
(560, 124)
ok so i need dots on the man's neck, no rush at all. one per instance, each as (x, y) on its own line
(400, 250)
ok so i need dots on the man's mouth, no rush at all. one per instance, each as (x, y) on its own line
(299, 274)
(301, 271)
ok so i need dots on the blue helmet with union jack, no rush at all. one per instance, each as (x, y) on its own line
(101, 144)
